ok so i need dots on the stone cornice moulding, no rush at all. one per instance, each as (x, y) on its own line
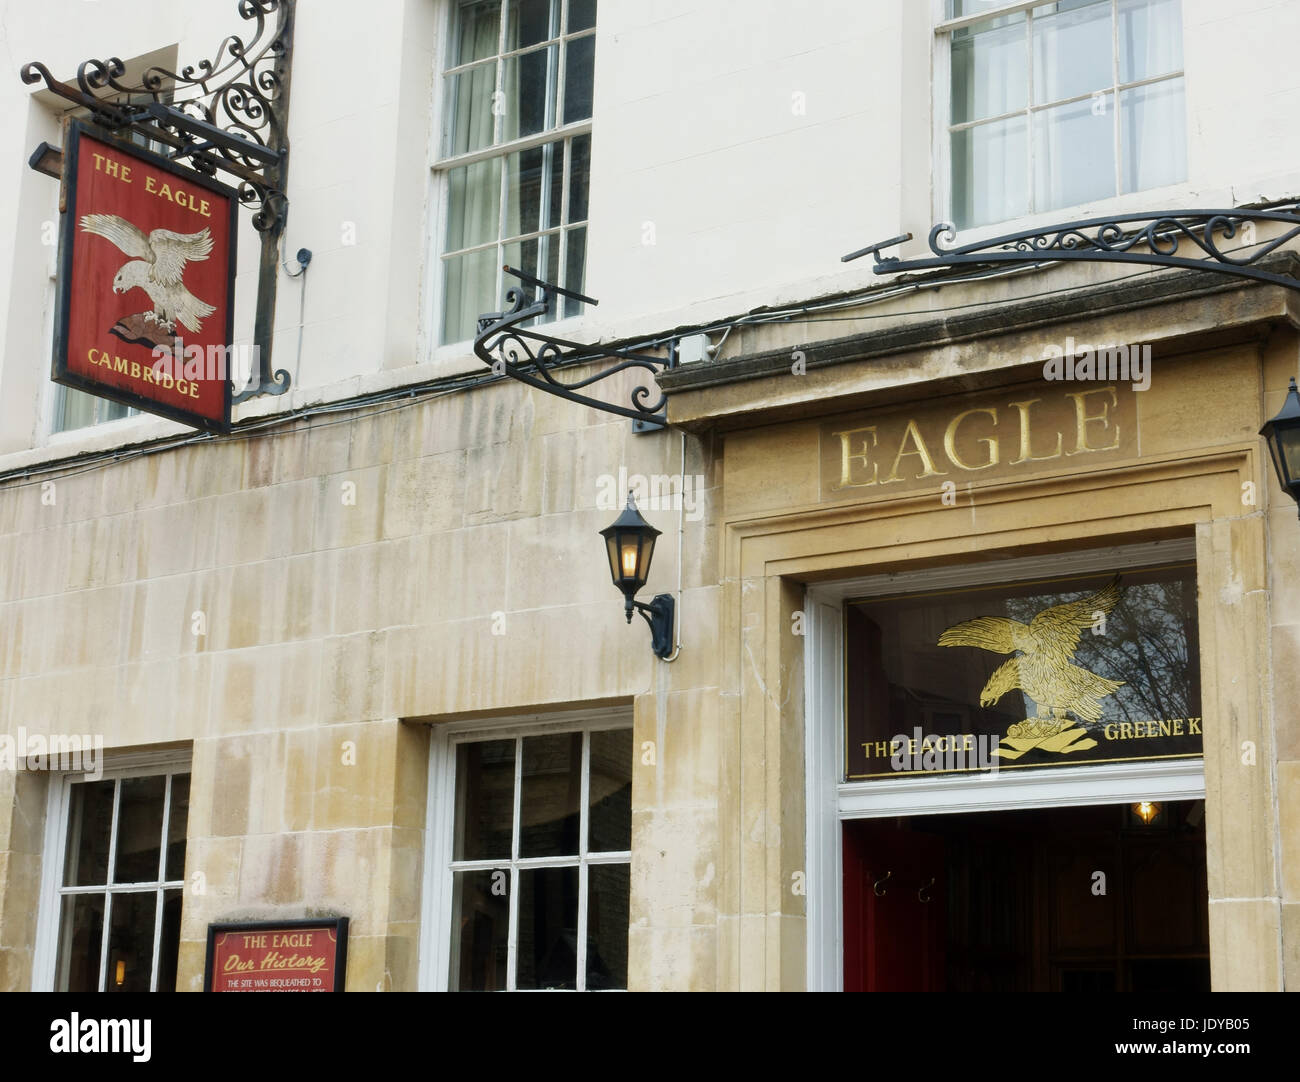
(1265, 304)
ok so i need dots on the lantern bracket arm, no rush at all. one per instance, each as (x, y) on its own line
(507, 345)
(1151, 238)
(659, 614)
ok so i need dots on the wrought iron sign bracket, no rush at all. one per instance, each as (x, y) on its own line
(227, 114)
(509, 347)
(1144, 238)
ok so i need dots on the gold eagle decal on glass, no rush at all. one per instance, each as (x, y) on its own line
(1042, 666)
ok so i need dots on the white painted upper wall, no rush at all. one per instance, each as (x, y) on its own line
(759, 140)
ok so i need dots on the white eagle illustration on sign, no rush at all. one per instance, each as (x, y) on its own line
(157, 266)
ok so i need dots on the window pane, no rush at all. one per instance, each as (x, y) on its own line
(130, 944)
(1150, 38)
(529, 101)
(608, 894)
(539, 257)
(531, 22)
(485, 799)
(534, 189)
(1153, 136)
(469, 290)
(579, 177)
(575, 277)
(1074, 155)
(546, 948)
(80, 936)
(1072, 49)
(480, 930)
(582, 15)
(925, 669)
(609, 828)
(76, 409)
(552, 787)
(478, 30)
(989, 75)
(473, 108)
(90, 818)
(989, 166)
(169, 947)
(473, 204)
(180, 814)
(139, 830)
(579, 66)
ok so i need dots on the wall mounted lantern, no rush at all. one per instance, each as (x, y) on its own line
(1283, 436)
(630, 545)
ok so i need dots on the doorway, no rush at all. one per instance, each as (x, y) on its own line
(1093, 898)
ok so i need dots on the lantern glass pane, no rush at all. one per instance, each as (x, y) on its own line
(1289, 445)
(611, 550)
(1273, 454)
(631, 559)
(647, 554)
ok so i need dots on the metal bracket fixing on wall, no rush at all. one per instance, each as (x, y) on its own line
(511, 345)
(1151, 238)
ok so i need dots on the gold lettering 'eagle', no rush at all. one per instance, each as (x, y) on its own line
(1043, 650)
(157, 264)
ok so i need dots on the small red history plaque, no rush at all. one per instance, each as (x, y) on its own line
(288, 956)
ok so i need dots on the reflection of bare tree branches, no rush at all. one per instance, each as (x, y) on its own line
(1147, 643)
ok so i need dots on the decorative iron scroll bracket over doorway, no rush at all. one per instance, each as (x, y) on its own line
(228, 114)
(511, 348)
(1144, 238)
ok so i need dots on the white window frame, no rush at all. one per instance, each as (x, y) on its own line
(441, 165)
(439, 867)
(1173, 195)
(831, 802)
(50, 913)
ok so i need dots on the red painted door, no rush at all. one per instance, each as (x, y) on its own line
(894, 893)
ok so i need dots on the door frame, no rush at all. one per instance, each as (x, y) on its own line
(830, 802)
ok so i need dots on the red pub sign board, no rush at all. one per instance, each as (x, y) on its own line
(289, 956)
(146, 281)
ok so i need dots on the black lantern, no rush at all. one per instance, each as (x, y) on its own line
(630, 545)
(1283, 435)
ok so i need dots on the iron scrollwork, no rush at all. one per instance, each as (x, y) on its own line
(227, 113)
(1143, 238)
(240, 92)
(506, 345)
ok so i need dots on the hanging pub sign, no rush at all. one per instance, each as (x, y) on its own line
(277, 956)
(1097, 668)
(145, 309)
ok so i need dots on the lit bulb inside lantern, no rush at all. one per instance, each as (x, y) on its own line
(121, 972)
(629, 561)
(1146, 811)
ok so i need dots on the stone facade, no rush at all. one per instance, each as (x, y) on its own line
(298, 606)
